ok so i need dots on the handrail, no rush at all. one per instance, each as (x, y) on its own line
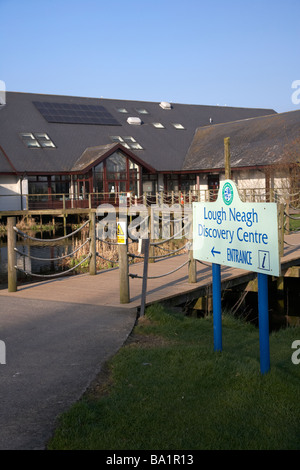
(52, 240)
(250, 194)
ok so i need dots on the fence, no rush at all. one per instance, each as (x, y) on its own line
(122, 262)
(146, 255)
(93, 200)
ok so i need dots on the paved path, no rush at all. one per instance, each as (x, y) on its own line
(59, 333)
(53, 352)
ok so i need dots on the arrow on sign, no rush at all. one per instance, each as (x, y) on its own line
(213, 251)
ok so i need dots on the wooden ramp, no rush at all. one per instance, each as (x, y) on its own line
(103, 288)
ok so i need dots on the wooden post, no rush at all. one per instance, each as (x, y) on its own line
(65, 224)
(287, 219)
(92, 236)
(11, 254)
(124, 274)
(227, 158)
(281, 229)
(145, 251)
(192, 266)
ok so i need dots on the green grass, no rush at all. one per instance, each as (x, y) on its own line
(295, 224)
(168, 390)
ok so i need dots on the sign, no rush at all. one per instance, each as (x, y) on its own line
(233, 233)
(121, 233)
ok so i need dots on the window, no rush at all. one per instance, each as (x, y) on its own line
(178, 126)
(136, 146)
(120, 140)
(116, 167)
(29, 140)
(98, 178)
(122, 110)
(60, 184)
(37, 140)
(116, 138)
(142, 111)
(150, 183)
(38, 185)
(158, 125)
(127, 141)
(44, 140)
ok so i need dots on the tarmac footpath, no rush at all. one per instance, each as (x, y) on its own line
(54, 350)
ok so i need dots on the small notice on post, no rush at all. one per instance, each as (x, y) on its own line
(121, 233)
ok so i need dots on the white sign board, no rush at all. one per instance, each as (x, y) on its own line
(237, 234)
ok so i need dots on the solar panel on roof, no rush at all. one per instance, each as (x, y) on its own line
(69, 113)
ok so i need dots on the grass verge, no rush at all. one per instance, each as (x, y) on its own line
(167, 389)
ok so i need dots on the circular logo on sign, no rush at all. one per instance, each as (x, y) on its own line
(227, 193)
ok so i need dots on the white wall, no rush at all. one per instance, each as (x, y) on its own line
(11, 188)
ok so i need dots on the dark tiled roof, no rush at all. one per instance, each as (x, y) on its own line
(5, 163)
(253, 142)
(164, 149)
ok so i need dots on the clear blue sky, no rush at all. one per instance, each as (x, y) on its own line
(235, 52)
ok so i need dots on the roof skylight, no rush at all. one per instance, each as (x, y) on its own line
(177, 125)
(37, 140)
(128, 142)
(142, 111)
(44, 140)
(158, 125)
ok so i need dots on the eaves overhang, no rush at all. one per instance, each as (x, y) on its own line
(92, 156)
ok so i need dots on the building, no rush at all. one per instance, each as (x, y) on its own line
(265, 153)
(73, 151)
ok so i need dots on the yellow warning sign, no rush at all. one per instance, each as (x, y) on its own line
(121, 233)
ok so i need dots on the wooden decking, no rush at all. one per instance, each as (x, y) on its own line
(103, 288)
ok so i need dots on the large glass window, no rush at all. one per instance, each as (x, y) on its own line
(133, 178)
(116, 167)
(81, 186)
(149, 183)
(172, 183)
(37, 184)
(98, 178)
(60, 184)
(188, 182)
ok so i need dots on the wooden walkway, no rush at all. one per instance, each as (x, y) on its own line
(103, 288)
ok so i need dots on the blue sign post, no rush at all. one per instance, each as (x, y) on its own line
(263, 320)
(241, 235)
(217, 310)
